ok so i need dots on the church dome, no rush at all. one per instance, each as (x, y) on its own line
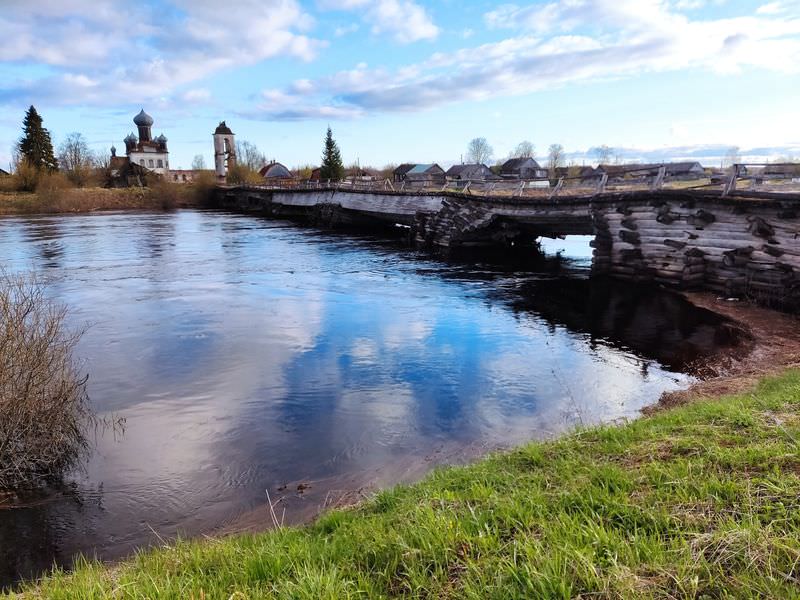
(162, 139)
(130, 139)
(143, 119)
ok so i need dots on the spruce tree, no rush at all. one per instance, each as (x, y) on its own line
(36, 147)
(332, 167)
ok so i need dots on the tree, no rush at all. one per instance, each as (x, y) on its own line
(479, 151)
(733, 156)
(249, 156)
(76, 159)
(524, 150)
(35, 146)
(332, 167)
(198, 162)
(555, 158)
(603, 154)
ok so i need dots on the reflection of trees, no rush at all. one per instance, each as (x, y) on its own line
(40, 530)
(46, 235)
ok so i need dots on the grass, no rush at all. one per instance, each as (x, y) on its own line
(82, 200)
(700, 501)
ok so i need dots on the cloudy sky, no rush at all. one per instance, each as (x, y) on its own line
(410, 80)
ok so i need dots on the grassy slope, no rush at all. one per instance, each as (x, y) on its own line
(699, 501)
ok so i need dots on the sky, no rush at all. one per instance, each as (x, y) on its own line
(410, 80)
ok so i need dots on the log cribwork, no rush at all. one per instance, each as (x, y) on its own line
(743, 244)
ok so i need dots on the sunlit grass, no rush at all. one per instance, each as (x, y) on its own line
(702, 501)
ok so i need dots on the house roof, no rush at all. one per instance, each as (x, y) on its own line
(514, 164)
(469, 170)
(4, 173)
(421, 169)
(275, 170)
(404, 168)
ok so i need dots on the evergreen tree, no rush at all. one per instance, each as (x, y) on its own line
(332, 167)
(35, 147)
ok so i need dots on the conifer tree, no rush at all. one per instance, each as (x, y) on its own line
(36, 147)
(332, 167)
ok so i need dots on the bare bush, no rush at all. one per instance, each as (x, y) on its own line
(44, 408)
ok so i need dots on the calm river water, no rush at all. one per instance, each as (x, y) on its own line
(248, 355)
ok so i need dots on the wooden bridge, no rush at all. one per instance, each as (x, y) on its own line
(745, 243)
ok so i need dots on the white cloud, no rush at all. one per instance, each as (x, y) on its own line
(595, 39)
(405, 20)
(130, 52)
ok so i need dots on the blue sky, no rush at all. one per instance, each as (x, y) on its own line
(410, 80)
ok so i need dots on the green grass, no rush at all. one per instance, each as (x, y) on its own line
(701, 501)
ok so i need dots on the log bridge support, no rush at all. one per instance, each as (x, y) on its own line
(739, 245)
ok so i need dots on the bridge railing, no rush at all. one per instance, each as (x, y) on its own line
(773, 178)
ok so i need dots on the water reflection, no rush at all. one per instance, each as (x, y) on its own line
(245, 354)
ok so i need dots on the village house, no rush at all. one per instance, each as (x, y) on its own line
(522, 168)
(473, 172)
(782, 171)
(419, 173)
(677, 170)
(4, 173)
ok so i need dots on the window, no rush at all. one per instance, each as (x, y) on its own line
(160, 164)
(184, 177)
(150, 163)
(141, 161)
(176, 178)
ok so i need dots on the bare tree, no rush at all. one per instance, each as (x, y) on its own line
(198, 162)
(555, 158)
(733, 156)
(249, 156)
(44, 408)
(524, 149)
(75, 158)
(479, 151)
(603, 154)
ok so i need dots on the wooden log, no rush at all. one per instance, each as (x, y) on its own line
(758, 226)
(675, 244)
(630, 237)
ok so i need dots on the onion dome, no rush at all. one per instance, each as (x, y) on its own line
(223, 129)
(162, 139)
(143, 119)
(113, 151)
(131, 139)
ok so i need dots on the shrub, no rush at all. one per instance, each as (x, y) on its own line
(26, 177)
(168, 195)
(44, 408)
(51, 188)
(203, 188)
(242, 174)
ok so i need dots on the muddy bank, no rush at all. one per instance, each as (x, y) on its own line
(773, 346)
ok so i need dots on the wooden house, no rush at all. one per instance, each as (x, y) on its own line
(419, 173)
(473, 172)
(522, 168)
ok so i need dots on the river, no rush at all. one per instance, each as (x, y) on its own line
(247, 355)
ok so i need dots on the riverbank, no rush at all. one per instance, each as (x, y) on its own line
(83, 200)
(699, 499)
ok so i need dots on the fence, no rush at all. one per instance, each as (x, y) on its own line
(774, 178)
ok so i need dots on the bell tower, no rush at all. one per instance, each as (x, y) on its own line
(224, 151)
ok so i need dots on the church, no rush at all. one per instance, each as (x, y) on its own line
(144, 151)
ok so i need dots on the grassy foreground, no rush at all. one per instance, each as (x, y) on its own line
(701, 501)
